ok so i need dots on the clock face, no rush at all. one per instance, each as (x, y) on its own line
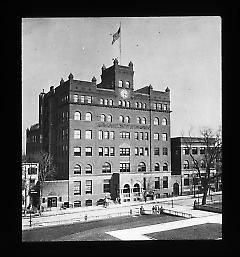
(124, 93)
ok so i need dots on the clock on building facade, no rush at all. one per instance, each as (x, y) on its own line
(124, 93)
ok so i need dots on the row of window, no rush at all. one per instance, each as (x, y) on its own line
(124, 167)
(122, 103)
(122, 119)
(202, 164)
(186, 150)
(83, 99)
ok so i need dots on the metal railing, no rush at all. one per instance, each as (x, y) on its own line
(84, 218)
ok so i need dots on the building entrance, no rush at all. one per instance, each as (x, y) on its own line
(175, 189)
(52, 202)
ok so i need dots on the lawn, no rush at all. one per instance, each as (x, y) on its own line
(94, 230)
(198, 232)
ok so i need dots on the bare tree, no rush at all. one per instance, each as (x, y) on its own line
(213, 148)
(47, 169)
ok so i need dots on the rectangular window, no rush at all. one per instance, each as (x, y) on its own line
(125, 135)
(77, 151)
(88, 134)
(82, 98)
(136, 151)
(88, 202)
(146, 136)
(165, 182)
(194, 150)
(112, 153)
(100, 134)
(185, 151)
(106, 151)
(136, 135)
(146, 151)
(105, 101)
(106, 134)
(77, 188)
(124, 167)
(159, 106)
(88, 187)
(124, 151)
(141, 136)
(112, 135)
(164, 136)
(186, 180)
(156, 151)
(106, 186)
(165, 107)
(202, 150)
(89, 99)
(100, 151)
(88, 151)
(141, 151)
(75, 98)
(157, 183)
(77, 203)
(77, 134)
(156, 136)
(165, 151)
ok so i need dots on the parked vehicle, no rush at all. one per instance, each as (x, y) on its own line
(101, 202)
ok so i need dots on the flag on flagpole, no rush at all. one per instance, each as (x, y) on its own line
(116, 35)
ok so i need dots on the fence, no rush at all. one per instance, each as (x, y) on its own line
(83, 218)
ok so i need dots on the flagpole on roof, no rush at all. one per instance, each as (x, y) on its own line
(120, 42)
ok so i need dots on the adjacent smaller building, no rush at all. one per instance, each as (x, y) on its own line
(184, 178)
(29, 179)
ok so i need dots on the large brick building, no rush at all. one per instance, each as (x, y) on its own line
(108, 139)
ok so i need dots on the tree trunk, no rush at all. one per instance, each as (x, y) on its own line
(205, 190)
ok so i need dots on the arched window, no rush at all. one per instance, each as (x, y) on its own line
(120, 83)
(144, 106)
(138, 120)
(77, 116)
(123, 103)
(101, 101)
(105, 101)
(127, 119)
(141, 167)
(127, 84)
(109, 118)
(120, 102)
(144, 120)
(140, 105)
(157, 167)
(88, 169)
(164, 121)
(136, 104)
(77, 169)
(103, 118)
(126, 190)
(156, 121)
(128, 104)
(186, 164)
(136, 189)
(121, 118)
(88, 116)
(110, 101)
(106, 168)
(165, 167)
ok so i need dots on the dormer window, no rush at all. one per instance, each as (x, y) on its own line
(120, 83)
(127, 84)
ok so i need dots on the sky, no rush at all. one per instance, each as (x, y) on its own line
(182, 53)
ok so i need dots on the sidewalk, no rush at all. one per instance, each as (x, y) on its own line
(67, 216)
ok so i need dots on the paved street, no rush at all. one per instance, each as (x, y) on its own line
(56, 226)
